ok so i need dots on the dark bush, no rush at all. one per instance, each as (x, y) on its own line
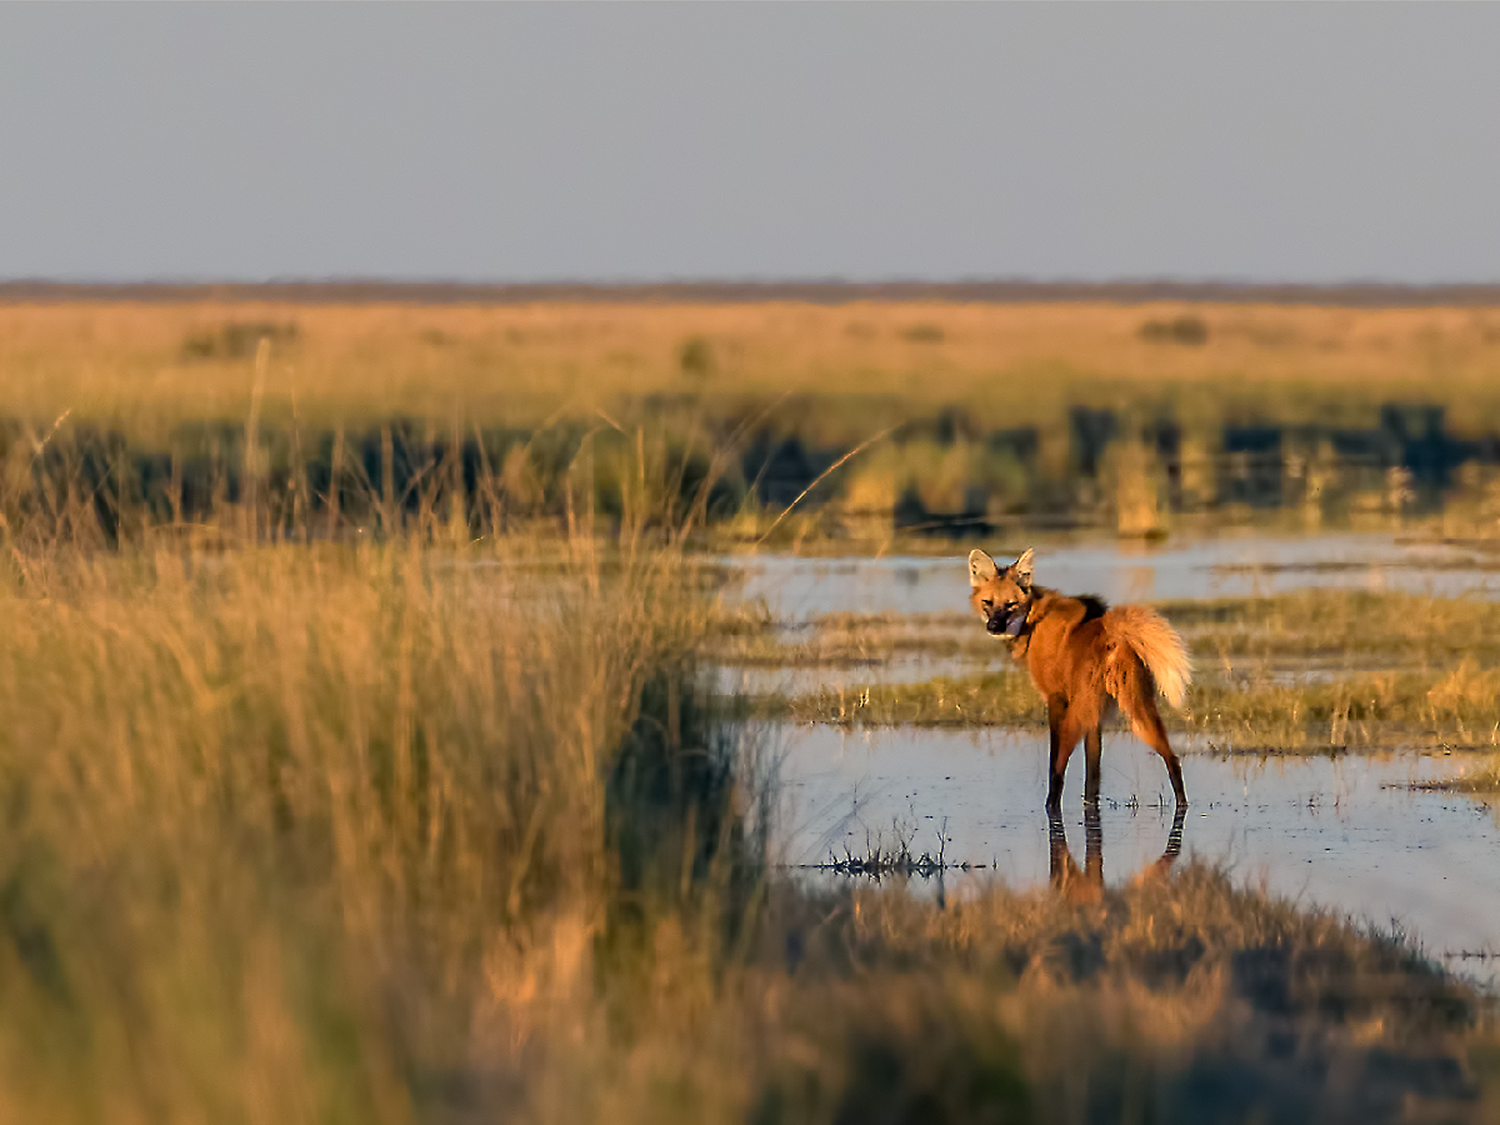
(696, 357)
(1190, 330)
(238, 339)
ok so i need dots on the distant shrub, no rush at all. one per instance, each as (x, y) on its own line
(925, 333)
(237, 339)
(696, 357)
(1179, 330)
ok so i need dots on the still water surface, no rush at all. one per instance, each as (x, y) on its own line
(1349, 833)
(1227, 566)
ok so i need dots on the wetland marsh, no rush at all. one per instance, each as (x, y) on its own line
(411, 778)
(1339, 741)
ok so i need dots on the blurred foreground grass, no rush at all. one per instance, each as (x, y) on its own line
(283, 825)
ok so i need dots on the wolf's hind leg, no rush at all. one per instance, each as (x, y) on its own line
(1145, 720)
(1134, 689)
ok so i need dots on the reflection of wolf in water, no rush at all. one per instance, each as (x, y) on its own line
(1088, 885)
(1085, 659)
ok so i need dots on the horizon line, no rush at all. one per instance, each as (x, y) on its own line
(999, 290)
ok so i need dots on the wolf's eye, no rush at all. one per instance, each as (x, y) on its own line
(987, 604)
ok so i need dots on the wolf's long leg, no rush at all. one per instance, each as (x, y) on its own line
(1057, 707)
(1146, 721)
(1065, 735)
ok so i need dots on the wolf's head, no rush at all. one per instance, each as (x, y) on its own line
(1001, 597)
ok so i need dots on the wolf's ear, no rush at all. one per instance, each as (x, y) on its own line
(1020, 570)
(981, 567)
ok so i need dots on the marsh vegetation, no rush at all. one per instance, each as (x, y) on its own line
(1134, 418)
(343, 785)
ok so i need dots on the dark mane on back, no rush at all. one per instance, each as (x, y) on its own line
(1093, 606)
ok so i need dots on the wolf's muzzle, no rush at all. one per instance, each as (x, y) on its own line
(1002, 624)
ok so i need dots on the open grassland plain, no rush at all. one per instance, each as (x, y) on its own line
(1125, 415)
(394, 832)
(147, 365)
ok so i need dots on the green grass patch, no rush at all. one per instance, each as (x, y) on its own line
(1409, 629)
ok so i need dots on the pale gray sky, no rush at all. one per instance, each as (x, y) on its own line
(653, 141)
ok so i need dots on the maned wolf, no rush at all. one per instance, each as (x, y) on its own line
(1084, 658)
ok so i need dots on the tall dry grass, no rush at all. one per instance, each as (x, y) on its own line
(288, 831)
(312, 818)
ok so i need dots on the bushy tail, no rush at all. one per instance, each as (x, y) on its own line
(1161, 650)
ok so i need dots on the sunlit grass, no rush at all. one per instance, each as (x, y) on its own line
(960, 411)
(277, 820)
(410, 831)
(423, 812)
(146, 365)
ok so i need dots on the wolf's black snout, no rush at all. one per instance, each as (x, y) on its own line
(996, 624)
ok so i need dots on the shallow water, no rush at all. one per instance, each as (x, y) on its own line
(1226, 566)
(1349, 834)
(735, 679)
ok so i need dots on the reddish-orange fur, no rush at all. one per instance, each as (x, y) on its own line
(1085, 659)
